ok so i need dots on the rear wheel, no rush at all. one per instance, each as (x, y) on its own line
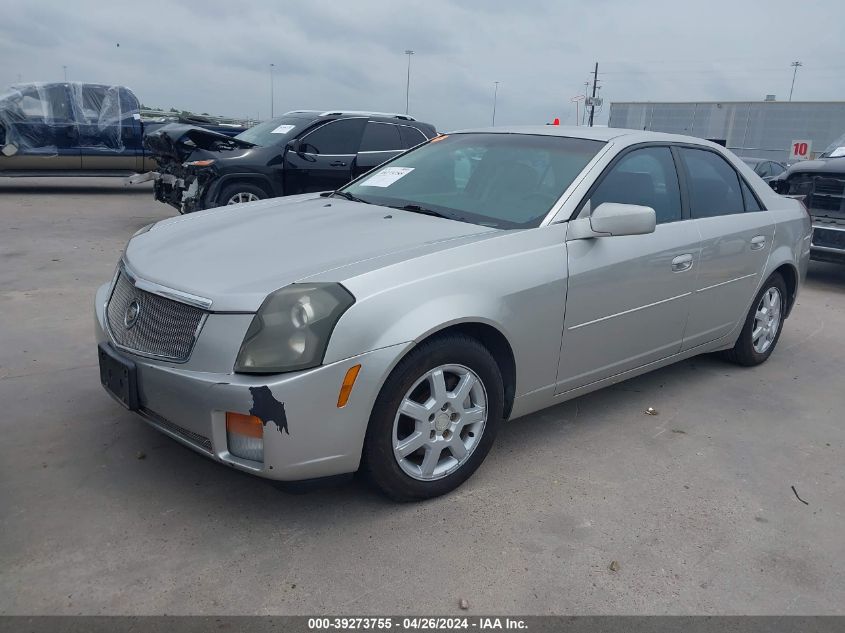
(239, 192)
(435, 419)
(763, 324)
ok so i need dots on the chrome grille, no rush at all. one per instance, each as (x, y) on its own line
(164, 328)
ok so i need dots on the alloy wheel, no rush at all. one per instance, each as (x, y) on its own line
(243, 196)
(766, 320)
(439, 422)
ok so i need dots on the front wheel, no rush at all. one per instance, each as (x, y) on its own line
(435, 419)
(763, 324)
(240, 192)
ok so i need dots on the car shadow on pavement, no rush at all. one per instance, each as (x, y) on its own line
(826, 276)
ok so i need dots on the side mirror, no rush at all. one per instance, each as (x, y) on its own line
(612, 219)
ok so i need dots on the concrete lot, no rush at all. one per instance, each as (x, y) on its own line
(695, 503)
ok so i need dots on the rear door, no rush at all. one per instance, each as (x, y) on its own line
(736, 235)
(324, 158)
(42, 128)
(381, 142)
(109, 135)
(629, 296)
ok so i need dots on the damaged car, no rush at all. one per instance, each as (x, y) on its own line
(302, 151)
(395, 324)
(820, 184)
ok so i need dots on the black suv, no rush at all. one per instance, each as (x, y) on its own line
(301, 152)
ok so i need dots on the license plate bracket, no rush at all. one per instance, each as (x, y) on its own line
(119, 376)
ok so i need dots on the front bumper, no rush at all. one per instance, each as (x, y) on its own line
(189, 402)
(828, 242)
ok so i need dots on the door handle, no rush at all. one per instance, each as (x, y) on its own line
(337, 163)
(758, 242)
(682, 263)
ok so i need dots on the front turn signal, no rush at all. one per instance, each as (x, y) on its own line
(346, 385)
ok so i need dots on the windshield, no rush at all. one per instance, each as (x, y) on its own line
(498, 180)
(274, 131)
(835, 149)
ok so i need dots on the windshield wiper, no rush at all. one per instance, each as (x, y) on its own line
(415, 208)
(348, 196)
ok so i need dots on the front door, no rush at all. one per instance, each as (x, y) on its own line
(629, 296)
(736, 236)
(324, 158)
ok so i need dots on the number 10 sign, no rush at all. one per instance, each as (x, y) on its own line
(800, 150)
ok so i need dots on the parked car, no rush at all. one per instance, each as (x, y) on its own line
(74, 129)
(820, 184)
(766, 169)
(300, 152)
(396, 323)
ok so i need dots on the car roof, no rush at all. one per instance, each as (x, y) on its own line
(351, 113)
(592, 133)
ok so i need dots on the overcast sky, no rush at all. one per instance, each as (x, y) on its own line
(214, 55)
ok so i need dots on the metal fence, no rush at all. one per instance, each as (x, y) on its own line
(758, 129)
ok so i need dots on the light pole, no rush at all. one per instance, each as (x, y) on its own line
(795, 66)
(495, 97)
(408, 83)
(64, 70)
(271, 90)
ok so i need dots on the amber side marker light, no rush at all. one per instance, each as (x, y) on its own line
(245, 436)
(241, 424)
(346, 386)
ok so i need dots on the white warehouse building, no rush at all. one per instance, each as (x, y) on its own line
(758, 129)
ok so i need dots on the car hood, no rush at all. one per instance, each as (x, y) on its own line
(829, 165)
(236, 255)
(176, 141)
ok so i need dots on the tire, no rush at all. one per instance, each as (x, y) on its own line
(248, 191)
(749, 351)
(471, 422)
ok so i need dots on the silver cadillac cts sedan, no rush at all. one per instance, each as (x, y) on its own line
(395, 324)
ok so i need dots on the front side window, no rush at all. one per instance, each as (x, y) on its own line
(713, 184)
(645, 177)
(337, 138)
(498, 180)
(381, 137)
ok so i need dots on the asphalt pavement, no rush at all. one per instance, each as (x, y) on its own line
(591, 507)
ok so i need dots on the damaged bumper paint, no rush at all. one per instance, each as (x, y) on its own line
(305, 434)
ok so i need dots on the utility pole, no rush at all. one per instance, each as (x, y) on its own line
(408, 52)
(795, 66)
(584, 113)
(64, 70)
(595, 81)
(495, 96)
(271, 90)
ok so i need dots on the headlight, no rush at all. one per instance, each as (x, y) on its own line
(292, 328)
(199, 163)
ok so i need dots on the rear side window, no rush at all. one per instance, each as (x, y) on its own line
(713, 184)
(644, 177)
(411, 136)
(751, 203)
(336, 138)
(381, 137)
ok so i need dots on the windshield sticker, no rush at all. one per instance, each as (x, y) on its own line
(839, 151)
(283, 129)
(387, 176)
